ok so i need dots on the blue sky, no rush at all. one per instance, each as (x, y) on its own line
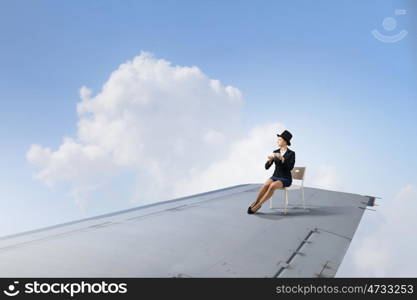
(348, 98)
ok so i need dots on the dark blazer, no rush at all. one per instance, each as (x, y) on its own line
(282, 169)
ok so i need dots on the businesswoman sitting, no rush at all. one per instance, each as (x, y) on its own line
(284, 159)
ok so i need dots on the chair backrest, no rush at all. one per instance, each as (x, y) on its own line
(298, 173)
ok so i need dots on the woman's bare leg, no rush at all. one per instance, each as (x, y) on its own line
(262, 191)
(272, 187)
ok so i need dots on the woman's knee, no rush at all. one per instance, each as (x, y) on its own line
(267, 183)
(272, 187)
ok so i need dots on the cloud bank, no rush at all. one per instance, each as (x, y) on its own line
(389, 250)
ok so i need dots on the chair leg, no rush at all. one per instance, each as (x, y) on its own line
(270, 203)
(302, 194)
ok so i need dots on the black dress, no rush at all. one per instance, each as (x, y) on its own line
(283, 169)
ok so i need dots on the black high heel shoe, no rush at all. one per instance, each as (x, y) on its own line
(250, 211)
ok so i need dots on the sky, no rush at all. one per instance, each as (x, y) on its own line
(108, 105)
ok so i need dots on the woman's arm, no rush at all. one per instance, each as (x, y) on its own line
(289, 162)
(269, 162)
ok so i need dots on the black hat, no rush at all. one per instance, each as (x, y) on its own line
(286, 135)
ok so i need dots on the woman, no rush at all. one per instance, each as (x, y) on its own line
(284, 159)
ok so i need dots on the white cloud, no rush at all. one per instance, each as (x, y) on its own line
(150, 116)
(389, 246)
(324, 177)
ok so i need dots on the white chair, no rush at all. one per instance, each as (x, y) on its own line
(297, 173)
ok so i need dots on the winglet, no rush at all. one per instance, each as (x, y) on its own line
(371, 200)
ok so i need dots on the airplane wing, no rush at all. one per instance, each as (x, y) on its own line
(203, 235)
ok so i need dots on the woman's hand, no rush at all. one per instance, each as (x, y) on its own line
(279, 156)
(270, 157)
